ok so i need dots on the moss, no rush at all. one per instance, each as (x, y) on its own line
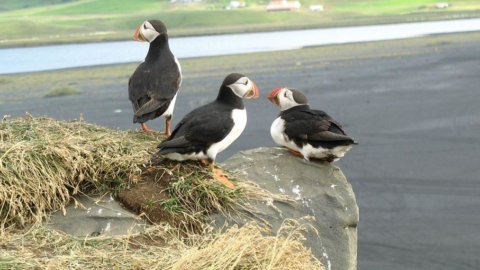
(61, 91)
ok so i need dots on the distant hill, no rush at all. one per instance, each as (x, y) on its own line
(34, 22)
(6, 5)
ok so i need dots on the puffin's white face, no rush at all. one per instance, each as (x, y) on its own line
(244, 88)
(285, 98)
(146, 32)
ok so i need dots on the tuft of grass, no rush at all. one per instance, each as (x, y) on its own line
(185, 194)
(44, 161)
(61, 91)
(196, 192)
(161, 247)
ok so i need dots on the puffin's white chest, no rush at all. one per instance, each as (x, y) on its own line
(179, 71)
(239, 118)
(277, 132)
(171, 106)
(169, 110)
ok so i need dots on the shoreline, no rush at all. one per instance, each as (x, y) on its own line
(413, 40)
(362, 21)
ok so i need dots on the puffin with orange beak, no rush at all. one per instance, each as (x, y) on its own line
(210, 129)
(310, 134)
(153, 86)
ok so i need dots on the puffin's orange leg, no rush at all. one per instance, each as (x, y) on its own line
(218, 174)
(145, 128)
(295, 153)
(168, 130)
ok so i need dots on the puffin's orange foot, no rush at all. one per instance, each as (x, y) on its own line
(204, 162)
(166, 133)
(295, 153)
(218, 174)
(146, 129)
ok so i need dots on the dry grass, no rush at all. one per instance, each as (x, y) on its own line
(43, 162)
(194, 193)
(249, 247)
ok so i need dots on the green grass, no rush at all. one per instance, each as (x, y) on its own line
(61, 91)
(22, 4)
(57, 21)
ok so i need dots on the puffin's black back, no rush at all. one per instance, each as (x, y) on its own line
(304, 125)
(207, 124)
(157, 78)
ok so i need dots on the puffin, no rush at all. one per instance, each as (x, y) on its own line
(154, 85)
(308, 133)
(210, 129)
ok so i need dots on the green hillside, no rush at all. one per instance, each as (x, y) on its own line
(22, 4)
(58, 21)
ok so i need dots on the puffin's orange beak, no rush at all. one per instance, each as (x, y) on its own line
(138, 35)
(253, 93)
(272, 96)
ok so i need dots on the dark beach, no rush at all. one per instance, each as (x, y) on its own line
(411, 104)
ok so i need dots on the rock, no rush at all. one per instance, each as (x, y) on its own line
(99, 216)
(320, 190)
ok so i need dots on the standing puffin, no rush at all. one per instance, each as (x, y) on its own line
(153, 86)
(209, 129)
(305, 132)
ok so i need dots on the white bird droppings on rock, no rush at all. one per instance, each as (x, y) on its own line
(107, 228)
(296, 190)
(329, 264)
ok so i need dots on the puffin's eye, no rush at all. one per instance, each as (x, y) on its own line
(285, 94)
(144, 26)
(246, 82)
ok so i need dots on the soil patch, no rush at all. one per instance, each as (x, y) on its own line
(148, 195)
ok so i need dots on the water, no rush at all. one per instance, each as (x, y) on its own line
(18, 60)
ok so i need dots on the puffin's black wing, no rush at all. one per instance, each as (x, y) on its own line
(152, 87)
(199, 129)
(323, 115)
(315, 127)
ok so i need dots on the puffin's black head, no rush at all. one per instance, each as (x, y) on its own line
(241, 86)
(150, 30)
(286, 98)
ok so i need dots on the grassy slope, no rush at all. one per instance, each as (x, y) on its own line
(95, 20)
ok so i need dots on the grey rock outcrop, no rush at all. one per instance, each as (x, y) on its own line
(320, 190)
(96, 216)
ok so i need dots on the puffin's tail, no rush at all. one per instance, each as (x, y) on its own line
(174, 145)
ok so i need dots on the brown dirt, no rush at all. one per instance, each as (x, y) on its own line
(146, 195)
